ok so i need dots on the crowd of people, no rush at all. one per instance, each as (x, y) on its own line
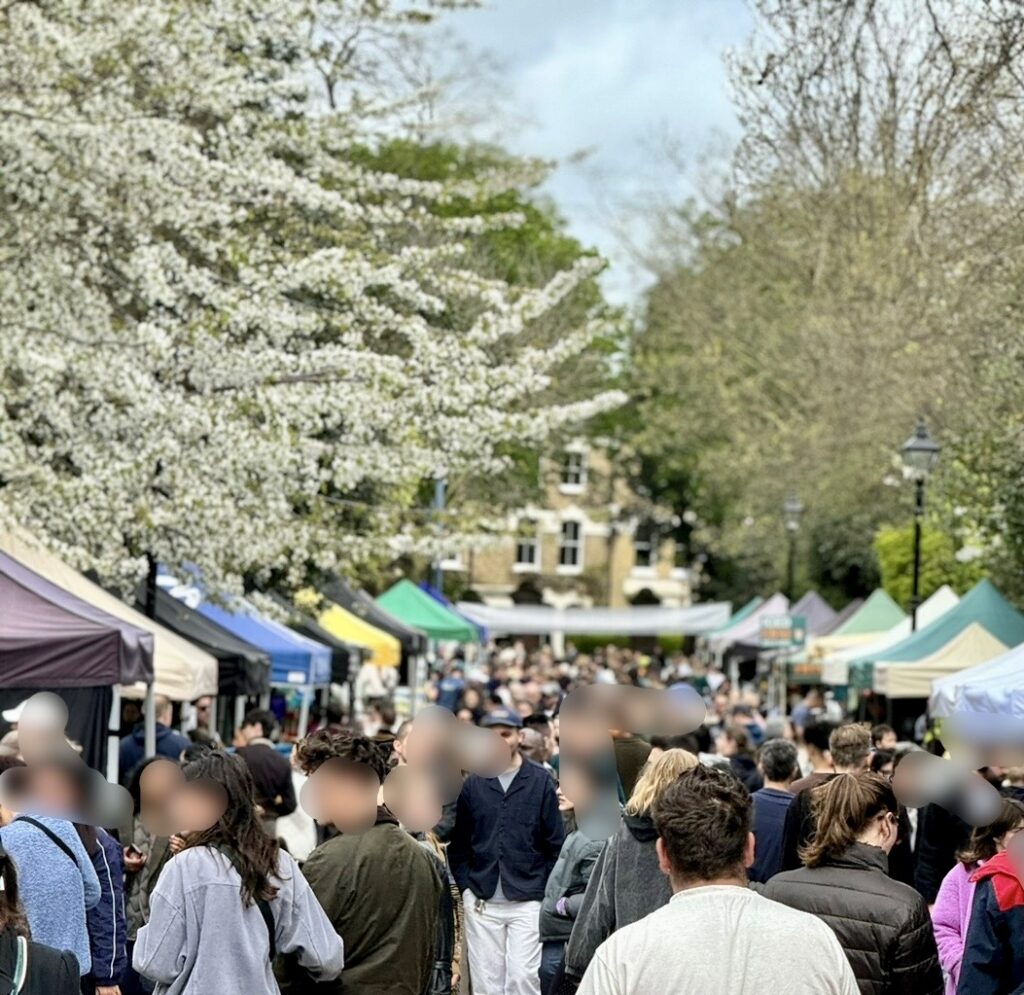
(753, 851)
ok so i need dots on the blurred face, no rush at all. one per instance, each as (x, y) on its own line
(412, 797)
(888, 741)
(887, 770)
(342, 794)
(510, 737)
(203, 708)
(725, 745)
(197, 805)
(53, 791)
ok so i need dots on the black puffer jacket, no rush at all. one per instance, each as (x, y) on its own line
(883, 925)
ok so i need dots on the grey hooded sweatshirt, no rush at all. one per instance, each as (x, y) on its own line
(626, 885)
(200, 936)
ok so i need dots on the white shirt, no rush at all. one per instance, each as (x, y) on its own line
(721, 940)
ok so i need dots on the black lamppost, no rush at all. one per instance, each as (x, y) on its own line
(791, 511)
(920, 454)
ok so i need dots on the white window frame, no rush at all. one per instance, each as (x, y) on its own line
(452, 562)
(571, 569)
(573, 452)
(531, 566)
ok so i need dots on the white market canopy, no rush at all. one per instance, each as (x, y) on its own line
(181, 670)
(748, 629)
(913, 678)
(538, 620)
(836, 668)
(996, 687)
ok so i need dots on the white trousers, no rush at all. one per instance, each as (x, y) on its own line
(503, 943)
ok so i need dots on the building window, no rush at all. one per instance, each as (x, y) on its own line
(574, 470)
(645, 547)
(642, 551)
(526, 551)
(570, 549)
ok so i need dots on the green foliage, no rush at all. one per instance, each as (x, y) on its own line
(939, 564)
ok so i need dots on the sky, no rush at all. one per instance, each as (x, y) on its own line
(612, 79)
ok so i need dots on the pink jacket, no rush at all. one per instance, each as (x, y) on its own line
(951, 915)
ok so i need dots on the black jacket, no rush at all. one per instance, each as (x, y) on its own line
(940, 834)
(993, 962)
(745, 768)
(50, 972)
(882, 924)
(272, 775)
(515, 834)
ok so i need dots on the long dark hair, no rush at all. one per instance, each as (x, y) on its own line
(12, 915)
(239, 830)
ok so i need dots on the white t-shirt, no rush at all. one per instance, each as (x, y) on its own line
(721, 940)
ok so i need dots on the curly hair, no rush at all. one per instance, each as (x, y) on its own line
(703, 818)
(316, 749)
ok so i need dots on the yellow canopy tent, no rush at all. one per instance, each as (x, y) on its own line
(385, 650)
(182, 671)
(913, 678)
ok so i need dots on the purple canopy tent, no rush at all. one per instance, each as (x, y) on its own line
(51, 640)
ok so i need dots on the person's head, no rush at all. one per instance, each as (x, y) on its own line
(259, 723)
(852, 808)
(388, 717)
(986, 841)
(316, 749)
(1015, 776)
(703, 819)
(163, 709)
(850, 747)
(533, 745)
(777, 761)
(221, 782)
(733, 741)
(12, 915)
(345, 772)
(816, 737)
(883, 762)
(814, 698)
(398, 745)
(779, 727)
(655, 777)
(883, 737)
(194, 751)
(465, 715)
(508, 725)
(204, 711)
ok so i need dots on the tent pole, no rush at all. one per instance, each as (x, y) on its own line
(304, 711)
(265, 700)
(114, 736)
(150, 718)
(239, 711)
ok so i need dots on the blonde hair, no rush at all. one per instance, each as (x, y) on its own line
(656, 776)
(843, 807)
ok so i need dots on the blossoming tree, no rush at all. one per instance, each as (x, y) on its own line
(223, 341)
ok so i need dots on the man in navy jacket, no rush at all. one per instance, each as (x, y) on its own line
(507, 836)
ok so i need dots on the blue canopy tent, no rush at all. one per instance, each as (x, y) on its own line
(295, 661)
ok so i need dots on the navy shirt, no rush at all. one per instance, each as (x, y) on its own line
(449, 692)
(770, 808)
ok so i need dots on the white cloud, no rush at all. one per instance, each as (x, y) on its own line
(609, 77)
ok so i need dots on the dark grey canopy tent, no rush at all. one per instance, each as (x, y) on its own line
(52, 640)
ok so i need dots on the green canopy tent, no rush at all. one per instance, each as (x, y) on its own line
(415, 607)
(982, 604)
(748, 609)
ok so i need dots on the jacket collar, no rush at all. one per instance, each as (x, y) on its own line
(526, 771)
(1007, 880)
(863, 857)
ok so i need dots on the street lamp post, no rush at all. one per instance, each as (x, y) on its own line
(920, 454)
(792, 510)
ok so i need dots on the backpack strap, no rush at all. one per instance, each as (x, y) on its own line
(20, 967)
(54, 838)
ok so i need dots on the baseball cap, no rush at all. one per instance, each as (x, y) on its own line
(501, 717)
(14, 714)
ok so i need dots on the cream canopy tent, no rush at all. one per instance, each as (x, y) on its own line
(996, 686)
(836, 668)
(913, 678)
(182, 671)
